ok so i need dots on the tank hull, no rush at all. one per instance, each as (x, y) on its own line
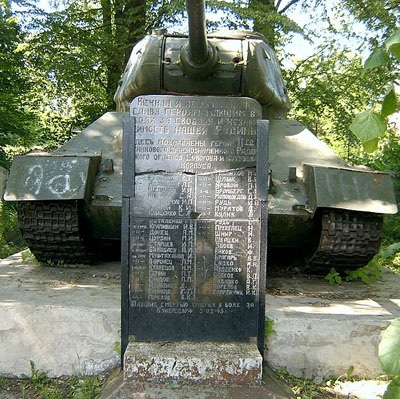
(294, 196)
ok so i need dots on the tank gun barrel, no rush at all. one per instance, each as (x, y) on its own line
(198, 55)
(198, 48)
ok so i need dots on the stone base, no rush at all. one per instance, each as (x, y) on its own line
(207, 363)
(116, 388)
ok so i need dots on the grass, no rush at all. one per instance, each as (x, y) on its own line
(39, 386)
(345, 386)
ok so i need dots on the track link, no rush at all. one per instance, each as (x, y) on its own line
(51, 230)
(349, 240)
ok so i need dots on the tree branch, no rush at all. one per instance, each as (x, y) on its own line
(290, 4)
(292, 73)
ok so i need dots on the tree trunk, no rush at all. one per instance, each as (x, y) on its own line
(124, 24)
(260, 26)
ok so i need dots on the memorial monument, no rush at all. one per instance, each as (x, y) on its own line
(194, 239)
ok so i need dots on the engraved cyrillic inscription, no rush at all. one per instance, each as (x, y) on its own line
(195, 134)
(195, 221)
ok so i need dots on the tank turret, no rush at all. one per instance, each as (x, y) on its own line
(234, 63)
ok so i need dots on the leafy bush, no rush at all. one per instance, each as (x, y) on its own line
(389, 357)
(11, 240)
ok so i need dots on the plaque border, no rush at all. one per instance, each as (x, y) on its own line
(128, 191)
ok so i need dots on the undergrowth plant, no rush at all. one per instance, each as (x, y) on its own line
(43, 387)
(11, 240)
(389, 357)
(388, 257)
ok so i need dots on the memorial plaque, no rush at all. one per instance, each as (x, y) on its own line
(194, 215)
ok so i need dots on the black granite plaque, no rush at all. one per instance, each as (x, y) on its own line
(196, 228)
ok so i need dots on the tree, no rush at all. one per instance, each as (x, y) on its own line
(326, 90)
(268, 17)
(17, 123)
(370, 126)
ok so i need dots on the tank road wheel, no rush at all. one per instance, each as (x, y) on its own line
(348, 240)
(52, 231)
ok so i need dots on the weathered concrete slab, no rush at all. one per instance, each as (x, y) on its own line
(322, 330)
(68, 320)
(65, 320)
(116, 388)
(209, 363)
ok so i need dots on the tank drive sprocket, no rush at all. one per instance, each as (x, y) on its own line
(348, 240)
(52, 231)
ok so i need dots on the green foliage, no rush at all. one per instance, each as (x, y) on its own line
(268, 17)
(390, 257)
(25, 255)
(333, 277)
(118, 348)
(38, 378)
(389, 103)
(85, 388)
(18, 123)
(389, 357)
(302, 389)
(44, 387)
(393, 389)
(389, 349)
(376, 59)
(393, 44)
(11, 240)
(377, 15)
(368, 127)
(390, 251)
(268, 327)
(367, 274)
(326, 90)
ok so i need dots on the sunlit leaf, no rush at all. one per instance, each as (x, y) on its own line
(389, 104)
(393, 389)
(395, 50)
(394, 39)
(371, 145)
(377, 58)
(390, 250)
(389, 348)
(368, 127)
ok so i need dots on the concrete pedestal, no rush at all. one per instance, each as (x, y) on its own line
(117, 388)
(209, 363)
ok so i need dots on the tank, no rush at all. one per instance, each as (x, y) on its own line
(69, 201)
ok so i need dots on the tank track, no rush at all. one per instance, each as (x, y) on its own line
(348, 240)
(51, 230)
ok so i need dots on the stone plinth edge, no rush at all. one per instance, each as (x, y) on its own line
(215, 364)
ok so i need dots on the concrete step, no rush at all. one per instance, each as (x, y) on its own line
(322, 330)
